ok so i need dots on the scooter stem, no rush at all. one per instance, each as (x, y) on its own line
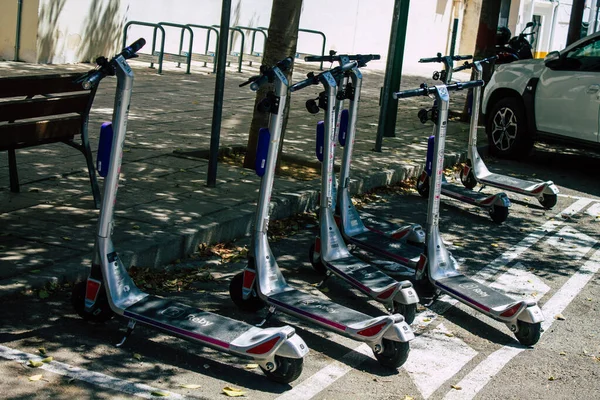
(475, 108)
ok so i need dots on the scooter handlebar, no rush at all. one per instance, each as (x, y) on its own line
(353, 57)
(266, 74)
(131, 50)
(441, 58)
(313, 79)
(92, 79)
(431, 89)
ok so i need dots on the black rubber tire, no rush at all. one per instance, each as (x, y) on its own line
(288, 369)
(549, 201)
(423, 188)
(394, 353)
(512, 141)
(252, 304)
(100, 313)
(408, 311)
(316, 264)
(498, 214)
(468, 181)
(528, 334)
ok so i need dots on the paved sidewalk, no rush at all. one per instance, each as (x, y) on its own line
(164, 209)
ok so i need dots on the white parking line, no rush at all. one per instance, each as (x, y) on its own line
(329, 374)
(94, 378)
(483, 373)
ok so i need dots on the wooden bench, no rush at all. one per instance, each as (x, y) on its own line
(42, 109)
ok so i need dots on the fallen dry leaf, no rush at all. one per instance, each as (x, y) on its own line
(160, 393)
(47, 359)
(559, 317)
(251, 366)
(455, 387)
(35, 364)
(449, 334)
(233, 392)
(191, 386)
(137, 356)
(35, 377)
(551, 378)
(42, 351)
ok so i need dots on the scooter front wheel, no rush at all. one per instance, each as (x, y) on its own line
(528, 334)
(394, 353)
(408, 311)
(423, 185)
(315, 261)
(468, 180)
(288, 369)
(100, 312)
(549, 201)
(498, 214)
(251, 304)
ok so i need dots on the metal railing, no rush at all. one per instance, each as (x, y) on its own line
(152, 57)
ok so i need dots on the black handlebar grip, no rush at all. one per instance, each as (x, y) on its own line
(488, 59)
(460, 58)
(464, 85)
(467, 65)
(129, 51)
(312, 80)
(430, 60)
(409, 93)
(329, 58)
(259, 82)
(285, 64)
(93, 79)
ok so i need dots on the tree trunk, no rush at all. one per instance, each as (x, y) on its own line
(486, 34)
(575, 21)
(281, 43)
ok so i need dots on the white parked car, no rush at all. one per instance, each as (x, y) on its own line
(556, 97)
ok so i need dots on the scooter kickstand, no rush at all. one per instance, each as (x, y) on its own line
(267, 317)
(322, 283)
(130, 327)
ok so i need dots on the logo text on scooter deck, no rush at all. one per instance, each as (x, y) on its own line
(474, 287)
(199, 320)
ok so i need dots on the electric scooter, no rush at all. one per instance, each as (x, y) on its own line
(496, 204)
(262, 282)
(475, 170)
(110, 290)
(396, 296)
(350, 88)
(438, 270)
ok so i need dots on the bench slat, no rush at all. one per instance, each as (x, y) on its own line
(26, 134)
(42, 107)
(15, 86)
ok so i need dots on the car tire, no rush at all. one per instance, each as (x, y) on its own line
(506, 129)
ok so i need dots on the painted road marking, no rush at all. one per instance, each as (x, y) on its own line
(482, 374)
(572, 243)
(594, 210)
(435, 358)
(519, 283)
(326, 376)
(94, 378)
(488, 272)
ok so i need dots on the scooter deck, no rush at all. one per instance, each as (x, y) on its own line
(466, 195)
(474, 293)
(510, 183)
(322, 311)
(187, 321)
(364, 276)
(388, 247)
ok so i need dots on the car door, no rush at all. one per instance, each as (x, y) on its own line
(567, 99)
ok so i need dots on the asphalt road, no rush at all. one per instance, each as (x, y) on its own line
(458, 354)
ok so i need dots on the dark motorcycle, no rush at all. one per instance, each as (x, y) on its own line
(512, 49)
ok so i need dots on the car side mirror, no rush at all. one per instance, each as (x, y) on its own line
(552, 60)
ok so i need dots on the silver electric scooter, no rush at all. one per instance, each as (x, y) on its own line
(496, 204)
(109, 288)
(397, 296)
(362, 222)
(475, 170)
(438, 270)
(262, 281)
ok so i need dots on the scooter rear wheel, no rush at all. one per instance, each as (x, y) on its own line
(288, 369)
(251, 304)
(394, 353)
(549, 201)
(408, 311)
(498, 214)
(528, 334)
(99, 313)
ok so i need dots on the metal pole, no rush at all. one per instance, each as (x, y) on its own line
(215, 131)
(18, 35)
(388, 106)
(453, 41)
